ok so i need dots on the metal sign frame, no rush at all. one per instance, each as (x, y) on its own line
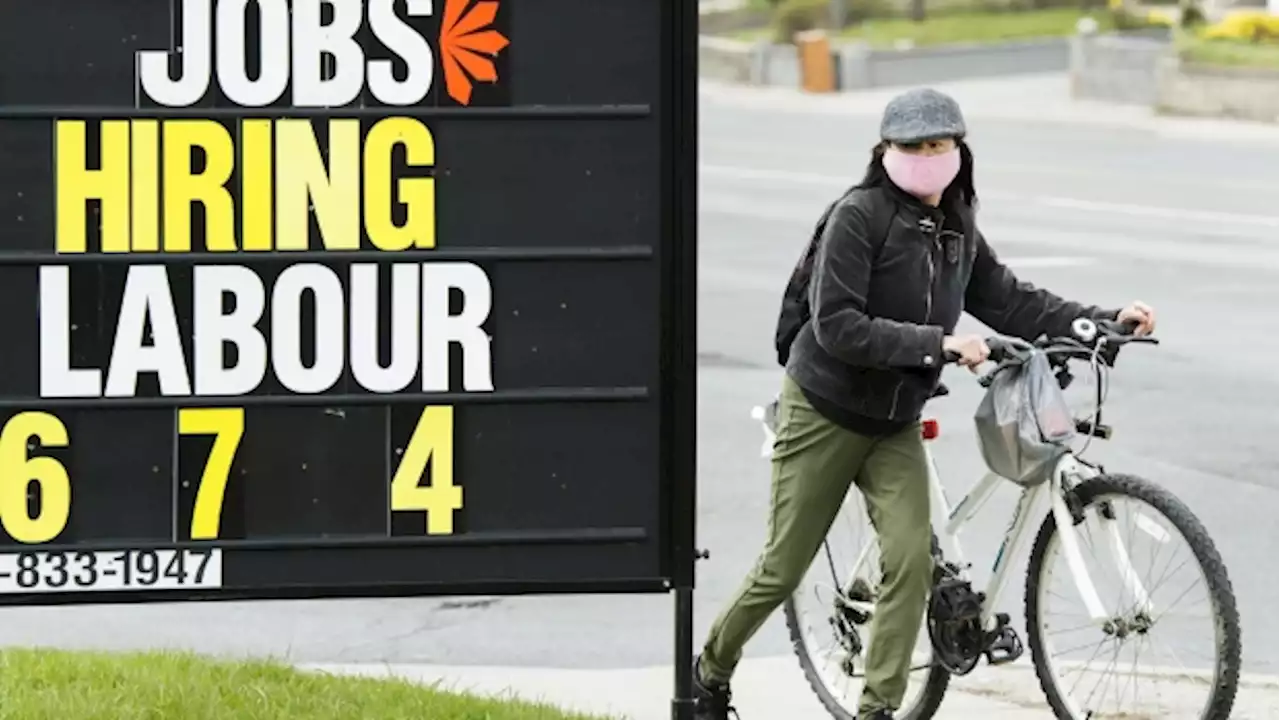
(676, 391)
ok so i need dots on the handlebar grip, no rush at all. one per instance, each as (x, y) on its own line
(996, 345)
(999, 349)
(1128, 327)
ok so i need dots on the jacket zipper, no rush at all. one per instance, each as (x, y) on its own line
(928, 297)
(936, 246)
(928, 311)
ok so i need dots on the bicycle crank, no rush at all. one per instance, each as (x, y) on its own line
(955, 624)
(955, 627)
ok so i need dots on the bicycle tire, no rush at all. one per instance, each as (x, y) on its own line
(934, 691)
(1206, 554)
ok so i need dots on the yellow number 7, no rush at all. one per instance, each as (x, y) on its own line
(226, 425)
(432, 439)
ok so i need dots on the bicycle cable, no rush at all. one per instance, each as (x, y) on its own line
(1100, 392)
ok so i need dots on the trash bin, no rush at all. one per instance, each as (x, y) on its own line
(817, 67)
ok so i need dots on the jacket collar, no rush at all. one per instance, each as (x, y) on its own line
(938, 214)
(902, 197)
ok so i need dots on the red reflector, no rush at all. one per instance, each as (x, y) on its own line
(929, 429)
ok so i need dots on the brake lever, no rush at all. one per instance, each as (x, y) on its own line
(1110, 346)
(989, 377)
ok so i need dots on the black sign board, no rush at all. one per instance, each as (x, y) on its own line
(335, 298)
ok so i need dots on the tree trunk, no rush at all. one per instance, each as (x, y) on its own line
(917, 10)
(839, 15)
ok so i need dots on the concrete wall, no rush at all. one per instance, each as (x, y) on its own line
(728, 60)
(862, 67)
(859, 67)
(1116, 69)
(1242, 93)
(1147, 72)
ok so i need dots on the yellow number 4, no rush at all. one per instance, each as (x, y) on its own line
(432, 440)
(226, 425)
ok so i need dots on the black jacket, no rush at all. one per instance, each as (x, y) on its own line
(879, 303)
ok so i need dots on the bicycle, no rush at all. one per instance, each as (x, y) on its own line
(961, 625)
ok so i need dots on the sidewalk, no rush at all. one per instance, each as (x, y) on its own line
(765, 688)
(771, 688)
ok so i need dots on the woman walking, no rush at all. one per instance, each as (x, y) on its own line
(898, 260)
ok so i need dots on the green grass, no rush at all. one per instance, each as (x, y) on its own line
(965, 27)
(1229, 53)
(56, 685)
(975, 27)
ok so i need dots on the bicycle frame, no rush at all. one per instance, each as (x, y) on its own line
(952, 519)
(947, 522)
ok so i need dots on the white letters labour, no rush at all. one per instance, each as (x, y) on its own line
(348, 320)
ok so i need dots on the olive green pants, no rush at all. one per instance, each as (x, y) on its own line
(813, 463)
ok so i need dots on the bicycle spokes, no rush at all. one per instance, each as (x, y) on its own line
(831, 616)
(1150, 647)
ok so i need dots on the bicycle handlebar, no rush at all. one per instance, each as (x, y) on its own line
(1080, 346)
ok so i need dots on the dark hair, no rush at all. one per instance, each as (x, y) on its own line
(961, 189)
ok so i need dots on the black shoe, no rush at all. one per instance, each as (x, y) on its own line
(710, 702)
(877, 715)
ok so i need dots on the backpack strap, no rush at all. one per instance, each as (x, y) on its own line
(794, 313)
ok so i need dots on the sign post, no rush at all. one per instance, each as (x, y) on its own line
(342, 298)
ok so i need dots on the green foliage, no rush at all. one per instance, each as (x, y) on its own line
(862, 10)
(1124, 19)
(1192, 16)
(794, 16)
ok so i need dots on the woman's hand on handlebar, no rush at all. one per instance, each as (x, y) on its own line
(966, 350)
(1140, 316)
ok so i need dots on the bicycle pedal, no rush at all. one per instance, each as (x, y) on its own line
(1005, 647)
(858, 591)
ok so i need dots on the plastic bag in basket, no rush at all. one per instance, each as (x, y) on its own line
(1024, 423)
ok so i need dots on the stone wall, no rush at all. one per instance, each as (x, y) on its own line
(859, 67)
(1148, 72)
(1114, 68)
(1240, 93)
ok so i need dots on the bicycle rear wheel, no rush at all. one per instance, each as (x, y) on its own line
(1143, 520)
(830, 631)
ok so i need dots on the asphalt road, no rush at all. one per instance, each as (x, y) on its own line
(1101, 214)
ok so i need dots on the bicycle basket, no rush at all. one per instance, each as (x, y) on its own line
(1024, 423)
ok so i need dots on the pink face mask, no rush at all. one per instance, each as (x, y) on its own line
(922, 175)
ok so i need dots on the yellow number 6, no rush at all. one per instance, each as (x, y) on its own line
(432, 439)
(18, 470)
(226, 425)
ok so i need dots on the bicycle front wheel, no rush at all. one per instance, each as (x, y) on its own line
(828, 619)
(1169, 644)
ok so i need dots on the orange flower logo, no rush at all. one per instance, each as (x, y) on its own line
(465, 40)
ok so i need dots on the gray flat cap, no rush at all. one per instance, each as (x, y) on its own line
(921, 114)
